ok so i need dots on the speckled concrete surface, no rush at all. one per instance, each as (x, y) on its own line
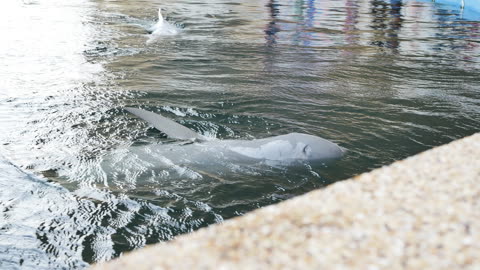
(419, 213)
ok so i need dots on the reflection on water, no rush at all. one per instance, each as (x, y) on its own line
(384, 79)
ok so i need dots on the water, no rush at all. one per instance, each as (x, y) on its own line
(384, 79)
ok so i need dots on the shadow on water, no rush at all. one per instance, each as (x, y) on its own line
(383, 79)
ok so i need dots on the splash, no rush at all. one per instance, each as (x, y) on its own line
(162, 28)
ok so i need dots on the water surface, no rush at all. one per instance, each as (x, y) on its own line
(383, 79)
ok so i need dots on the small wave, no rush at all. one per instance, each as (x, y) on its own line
(181, 112)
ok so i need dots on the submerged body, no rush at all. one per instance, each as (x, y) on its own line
(283, 148)
(279, 150)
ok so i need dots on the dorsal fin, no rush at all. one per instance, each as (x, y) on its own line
(160, 17)
(165, 125)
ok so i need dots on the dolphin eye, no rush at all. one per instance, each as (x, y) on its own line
(306, 150)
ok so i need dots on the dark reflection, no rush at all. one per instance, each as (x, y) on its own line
(272, 27)
(387, 21)
(395, 23)
(351, 20)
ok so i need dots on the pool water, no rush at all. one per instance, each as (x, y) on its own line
(383, 79)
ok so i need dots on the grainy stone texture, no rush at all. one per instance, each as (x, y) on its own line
(419, 213)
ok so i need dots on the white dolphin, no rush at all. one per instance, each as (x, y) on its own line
(283, 148)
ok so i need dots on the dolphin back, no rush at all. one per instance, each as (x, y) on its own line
(165, 125)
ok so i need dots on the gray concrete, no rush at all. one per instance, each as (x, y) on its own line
(419, 213)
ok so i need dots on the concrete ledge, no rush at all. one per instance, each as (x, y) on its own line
(419, 213)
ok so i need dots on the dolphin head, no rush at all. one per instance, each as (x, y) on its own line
(293, 146)
(311, 147)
